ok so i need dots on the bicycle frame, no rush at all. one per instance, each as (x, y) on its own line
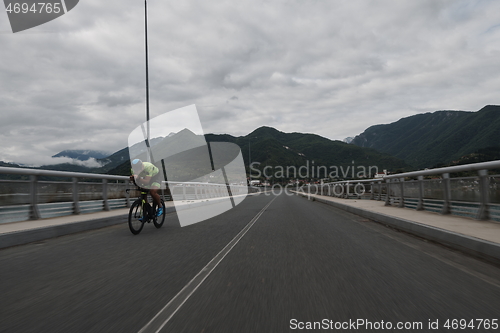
(147, 210)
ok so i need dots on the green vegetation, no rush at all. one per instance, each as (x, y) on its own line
(271, 147)
(480, 155)
(432, 139)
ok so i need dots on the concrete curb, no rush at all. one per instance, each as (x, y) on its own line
(38, 234)
(474, 246)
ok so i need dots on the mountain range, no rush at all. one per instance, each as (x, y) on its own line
(271, 147)
(265, 147)
(433, 139)
(420, 141)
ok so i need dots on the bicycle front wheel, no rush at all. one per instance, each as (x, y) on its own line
(158, 221)
(136, 217)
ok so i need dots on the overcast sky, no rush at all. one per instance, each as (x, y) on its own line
(328, 67)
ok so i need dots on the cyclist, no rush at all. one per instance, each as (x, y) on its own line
(146, 175)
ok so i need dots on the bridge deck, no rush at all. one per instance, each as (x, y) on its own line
(285, 261)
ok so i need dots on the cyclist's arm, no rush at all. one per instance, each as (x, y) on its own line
(141, 181)
(145, 180)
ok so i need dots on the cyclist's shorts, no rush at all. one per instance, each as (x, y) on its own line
(155, 181)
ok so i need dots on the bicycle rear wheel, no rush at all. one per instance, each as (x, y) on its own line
(136, 212)
(158, 221)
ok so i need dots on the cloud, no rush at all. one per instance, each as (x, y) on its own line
(333, 68)
(45, 160)
(91, 162)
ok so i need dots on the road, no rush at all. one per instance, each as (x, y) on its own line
(296, 262)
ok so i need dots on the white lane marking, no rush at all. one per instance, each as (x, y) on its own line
(163, 317)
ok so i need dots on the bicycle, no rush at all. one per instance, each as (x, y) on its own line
(142, 212)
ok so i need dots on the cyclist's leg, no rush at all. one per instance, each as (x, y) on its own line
(156, 197)
(154, 187)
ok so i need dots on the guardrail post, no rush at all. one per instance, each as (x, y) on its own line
(420, 184)
(379, 191)
(387, 192)
(347, 190)
(34, 211)
(372, 193)
(105, 194)
(447, 194)
(484, 188)
(402, 197)
(127, 194)
(76, 198)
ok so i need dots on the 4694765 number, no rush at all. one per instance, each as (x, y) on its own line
(40, 7)
(480, 324)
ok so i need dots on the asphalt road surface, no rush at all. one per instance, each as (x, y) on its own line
(272, 264)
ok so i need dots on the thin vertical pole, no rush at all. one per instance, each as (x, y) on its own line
(147, 66)
(249, 156)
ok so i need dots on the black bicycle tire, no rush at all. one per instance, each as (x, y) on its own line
(156, 221)
(133, 218)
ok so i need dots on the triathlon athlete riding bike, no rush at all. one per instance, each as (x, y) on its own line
(146, 176)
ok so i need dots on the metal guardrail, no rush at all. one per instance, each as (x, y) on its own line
(200, 191)
(58, 198)
(34, 184)
(394, 189)
(409, 190)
